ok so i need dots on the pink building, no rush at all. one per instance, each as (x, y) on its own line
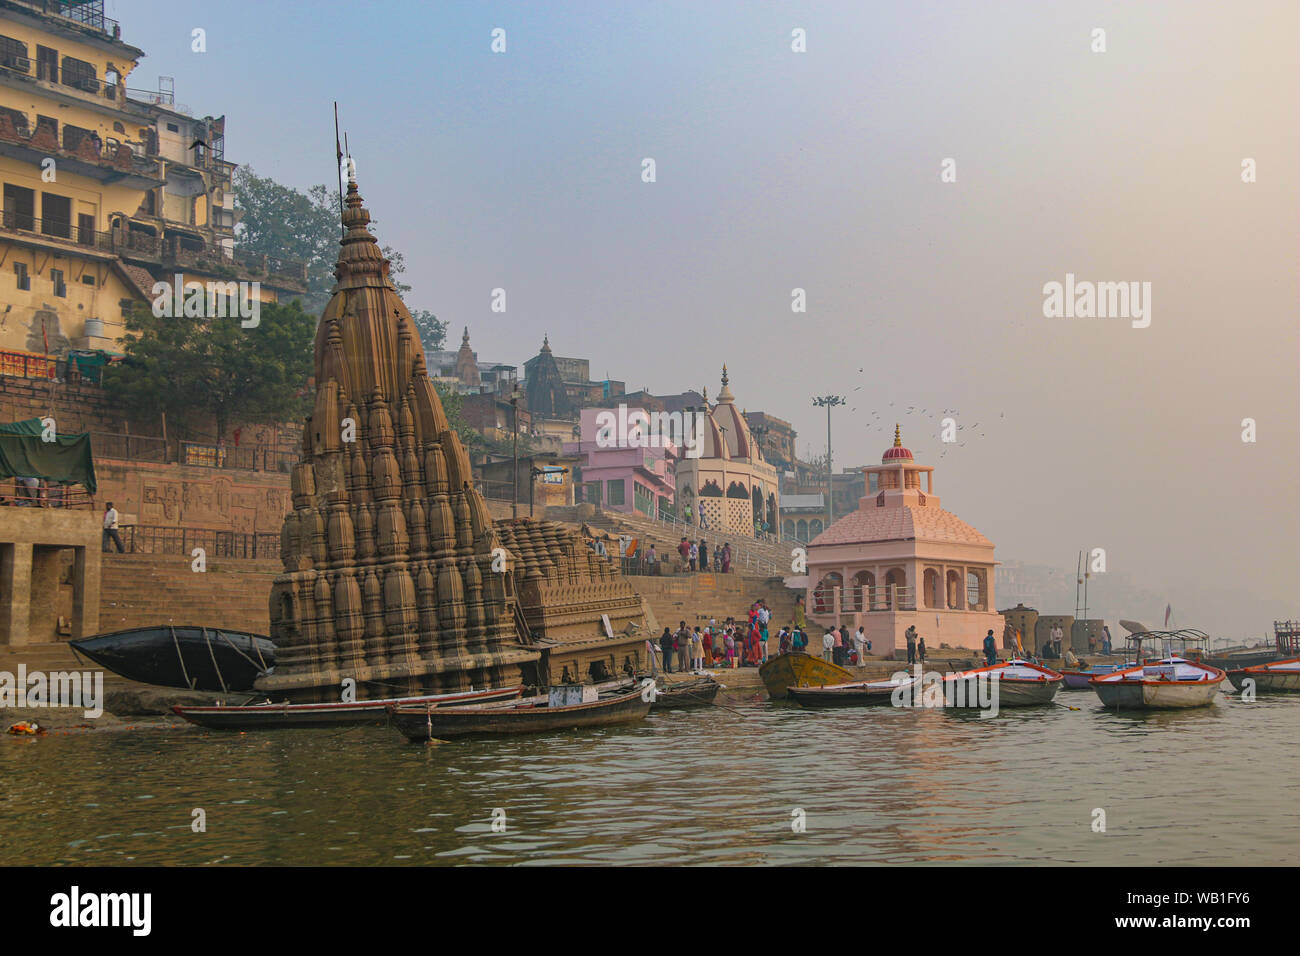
(627, 467)
(901, 560)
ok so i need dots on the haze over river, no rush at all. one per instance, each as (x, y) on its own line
(876, 785)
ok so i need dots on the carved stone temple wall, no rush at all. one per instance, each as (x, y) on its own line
(394, 573)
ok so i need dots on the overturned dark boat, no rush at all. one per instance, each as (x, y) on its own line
(193, 657)
(271, 716)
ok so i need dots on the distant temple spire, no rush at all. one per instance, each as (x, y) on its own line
(898, 436)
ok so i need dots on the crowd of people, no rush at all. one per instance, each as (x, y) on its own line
(750, 642)
(696, 556)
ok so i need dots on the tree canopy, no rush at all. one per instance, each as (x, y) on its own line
(200, 370)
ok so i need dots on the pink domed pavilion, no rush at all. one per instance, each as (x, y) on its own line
(899, 560)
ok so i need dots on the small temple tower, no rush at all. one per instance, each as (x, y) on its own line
(728, 485)
(467, 363)
(901, 560)
(388, 554)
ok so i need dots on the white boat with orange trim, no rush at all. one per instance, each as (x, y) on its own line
(1273, 676)
(1019, 682)
(1169, 683)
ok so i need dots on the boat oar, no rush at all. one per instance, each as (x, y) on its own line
(1066, 706)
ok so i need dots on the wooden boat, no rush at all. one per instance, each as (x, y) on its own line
(853, 694)
(695, 693)
(798, 669)
(189, 656)
(1241, 660)
(269, 716)
(1078, 680)
(529, 715)
(1019, 684)
(1274, 676)
(1172, 682)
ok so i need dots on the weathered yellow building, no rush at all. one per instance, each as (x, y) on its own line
(106, 189)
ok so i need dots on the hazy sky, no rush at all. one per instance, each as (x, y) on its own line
(821, 170)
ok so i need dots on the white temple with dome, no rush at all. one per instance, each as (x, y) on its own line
(901, 560)
(729, 487)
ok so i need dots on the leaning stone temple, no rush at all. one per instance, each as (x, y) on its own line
(394, 573)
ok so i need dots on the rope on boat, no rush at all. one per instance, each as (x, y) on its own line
(213, 654)
(180, 657)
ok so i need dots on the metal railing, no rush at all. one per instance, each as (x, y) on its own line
(57, 229)
(133, 447)
(88, 13)
(246, 458)
(852, 600)
(158, 539)
(14, 493)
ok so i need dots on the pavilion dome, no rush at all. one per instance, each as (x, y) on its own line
(727, 433)
(896, 453)
(904, 523)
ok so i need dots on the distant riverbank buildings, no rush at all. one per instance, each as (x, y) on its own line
(901, 560)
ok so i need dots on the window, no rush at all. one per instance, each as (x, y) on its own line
(47, 64)
(20, 208)
(80, 74)
(88, 279)
(56, 215)
(60, 287)
(48, 123)
(614, 491)
(21, 276)
(17, 117)
(73, 135)
(173, 128)
(12, 52)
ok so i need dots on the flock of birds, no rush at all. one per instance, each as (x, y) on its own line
(926, 422)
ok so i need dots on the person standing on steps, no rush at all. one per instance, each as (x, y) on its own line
(110, 529)
(911, 644)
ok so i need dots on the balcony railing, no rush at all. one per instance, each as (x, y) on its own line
(165, 250)
(56, 229)
(88, 13)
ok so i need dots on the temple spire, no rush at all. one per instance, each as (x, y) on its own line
(898, 436)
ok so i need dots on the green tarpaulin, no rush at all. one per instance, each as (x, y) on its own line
(67, 460)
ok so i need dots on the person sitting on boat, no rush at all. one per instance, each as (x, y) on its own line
(1071, 662)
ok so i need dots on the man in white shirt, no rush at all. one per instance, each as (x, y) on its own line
(860, 644)
(110, 529)
(1058, 635)
(828, 645)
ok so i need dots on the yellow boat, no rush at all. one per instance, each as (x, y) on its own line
(798, 669)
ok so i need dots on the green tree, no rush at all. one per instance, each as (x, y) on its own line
(202, 371)
(281, 221)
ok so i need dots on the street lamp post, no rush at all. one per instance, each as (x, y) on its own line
(514, 472)
(828, 402)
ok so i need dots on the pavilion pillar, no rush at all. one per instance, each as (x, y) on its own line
(16, 585)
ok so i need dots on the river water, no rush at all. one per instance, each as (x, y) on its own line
(713, 786)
